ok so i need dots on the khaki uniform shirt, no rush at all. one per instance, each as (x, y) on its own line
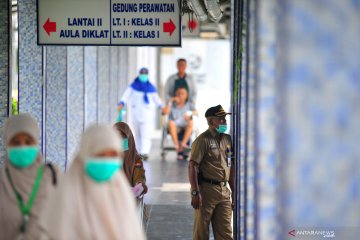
(211, 151)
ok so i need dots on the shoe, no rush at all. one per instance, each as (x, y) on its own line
(180, 157)
(187, 150)
(186, 156)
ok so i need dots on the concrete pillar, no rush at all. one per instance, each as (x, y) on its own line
(75, 99)
(123, 70)
(104, 84)
(5, 10)
(237, 44)
(267, 222)
(114, 83)
(56, 106)
(307, 117)
(244, 97)
(319, 71)
(91, 84)
(30, 64)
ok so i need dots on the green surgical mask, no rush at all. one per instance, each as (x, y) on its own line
(143, 78)
(125, 144)
(22, 157)
(221, 128)
(102, 169)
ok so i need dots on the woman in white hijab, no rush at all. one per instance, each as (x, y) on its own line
(25, 183)
(94, 200)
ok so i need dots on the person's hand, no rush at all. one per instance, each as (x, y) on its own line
(196, 201)
(187, 117)
(165, 110)
(183, 146)
(145, 188)
(174, 99)
(177, 147)
(120, 107)
(195, 113)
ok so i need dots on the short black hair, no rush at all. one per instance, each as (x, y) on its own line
(181, 87)
(181, 60)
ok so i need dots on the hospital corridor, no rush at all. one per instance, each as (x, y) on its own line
(179, 119)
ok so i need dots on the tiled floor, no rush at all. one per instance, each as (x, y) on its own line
(168, 199)
(170, 222)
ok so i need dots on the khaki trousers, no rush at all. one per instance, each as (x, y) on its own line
(216, 208)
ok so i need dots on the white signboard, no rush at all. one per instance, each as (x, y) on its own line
(109, 22)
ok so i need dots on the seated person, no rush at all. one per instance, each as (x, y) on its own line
(180, 120)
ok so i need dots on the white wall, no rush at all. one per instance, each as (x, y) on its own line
(138, 58)
(209, 63)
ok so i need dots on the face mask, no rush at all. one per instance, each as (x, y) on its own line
(143, 78)
(102, 169)
(221, 128)
(22, 157)
(125, 144)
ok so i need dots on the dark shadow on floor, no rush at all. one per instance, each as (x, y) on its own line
(168, 200)
(170, 222)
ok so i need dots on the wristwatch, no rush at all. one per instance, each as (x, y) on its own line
(195, 192)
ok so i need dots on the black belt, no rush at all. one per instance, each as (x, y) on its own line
(214, 182)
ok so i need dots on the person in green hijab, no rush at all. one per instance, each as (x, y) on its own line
(25, 182)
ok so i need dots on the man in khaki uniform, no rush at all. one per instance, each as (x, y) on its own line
(209, 172)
